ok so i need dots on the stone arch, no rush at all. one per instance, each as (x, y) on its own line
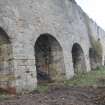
(5, 60)
(95, 59)
(78, 59)
(49, 59)
(96, 54)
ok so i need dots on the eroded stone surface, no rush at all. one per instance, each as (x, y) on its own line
(25, 20)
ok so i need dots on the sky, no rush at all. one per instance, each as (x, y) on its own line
(95, 10)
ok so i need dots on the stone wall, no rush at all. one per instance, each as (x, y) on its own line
(25, 20)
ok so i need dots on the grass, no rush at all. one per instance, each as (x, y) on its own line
(3, 97)
(42, 88)
(92, 78)
(95, 77)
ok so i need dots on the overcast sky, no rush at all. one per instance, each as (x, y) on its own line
(95, 9)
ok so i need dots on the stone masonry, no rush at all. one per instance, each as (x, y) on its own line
(46, 40)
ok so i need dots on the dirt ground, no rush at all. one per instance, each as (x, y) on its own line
(61, 96)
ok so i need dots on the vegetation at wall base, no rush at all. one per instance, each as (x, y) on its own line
(94, 78)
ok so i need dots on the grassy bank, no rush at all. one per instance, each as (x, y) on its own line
(92, 78)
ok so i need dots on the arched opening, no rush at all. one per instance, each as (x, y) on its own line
(95, 54)
(78, 59)
(5, 60)
(95, 59)
(49, 59)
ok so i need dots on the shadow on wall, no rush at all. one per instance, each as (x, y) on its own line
(49, 59)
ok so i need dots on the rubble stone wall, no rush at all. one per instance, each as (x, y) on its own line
(25, 20)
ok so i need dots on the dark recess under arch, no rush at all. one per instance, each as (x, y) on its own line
(49, 59)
